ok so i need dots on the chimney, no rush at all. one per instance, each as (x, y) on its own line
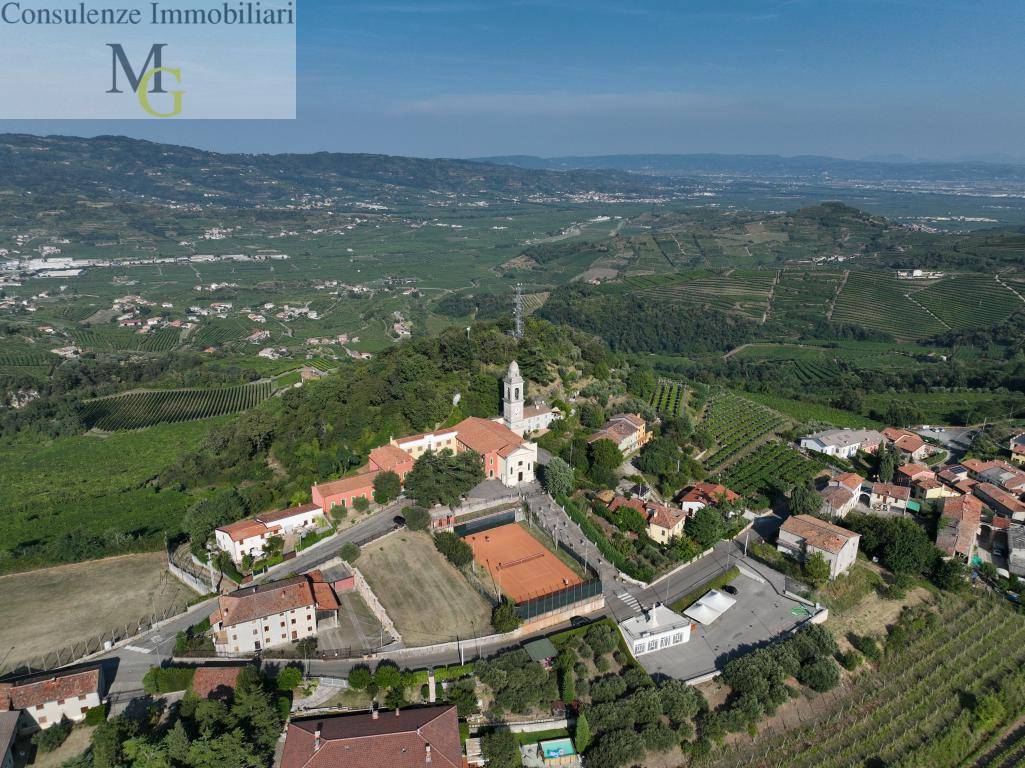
(373, 713)
(316, 737)
(396, 711)
(427, 752)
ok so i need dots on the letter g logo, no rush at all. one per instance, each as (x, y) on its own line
(143, 95)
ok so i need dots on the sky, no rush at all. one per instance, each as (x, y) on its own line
(930, 79)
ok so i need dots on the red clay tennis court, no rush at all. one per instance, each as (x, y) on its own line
(521, 566)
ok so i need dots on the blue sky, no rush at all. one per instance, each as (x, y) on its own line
(464, 78)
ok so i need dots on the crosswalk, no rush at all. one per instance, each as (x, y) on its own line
(629, 600)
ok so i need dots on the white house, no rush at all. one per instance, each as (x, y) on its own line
(803, 535)
(655, 629)
(249, 536)
(47, 698)
(263, 616)
(842, 443)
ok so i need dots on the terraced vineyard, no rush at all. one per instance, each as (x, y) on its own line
(773, 466)
(214, 334)
(916, 710)
(878, 301)
(735, 424)
(743, 291)
(532, 302)
(804, 293)
(136, 410)
(969, 301)
(670, 399)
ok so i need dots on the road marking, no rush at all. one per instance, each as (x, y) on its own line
(137, 649)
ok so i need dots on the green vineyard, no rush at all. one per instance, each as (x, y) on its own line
(670, 399)
(916, 710)
(741, 291)
(969, 301)
(735, 423)
(774, 466)
(881, 302)
(136, 410)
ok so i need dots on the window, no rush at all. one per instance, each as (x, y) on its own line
(665, 641)
(678, 638)
(293, 621)
(653, 645)
(639, 648)
(282, 623)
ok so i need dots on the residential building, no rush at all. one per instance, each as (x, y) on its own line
(703, 494)
(46, 698)
(911, 446)
(1016, 549)
(931, 488)
(852, 481)
(654, 630)
(518, 417)
(249, 536)
(8, 735)
(998, 473)
(958, 526)
(909, 473)
(424, 737)
(664, 522)
(628, 431)
(266, 615)
(837, 501)
(953, 474)
(888, 497)
(344, 492)
(1000, 501)
(1018, 449)
(842, 443)
(801, 536)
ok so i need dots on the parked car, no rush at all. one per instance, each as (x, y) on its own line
(729, 589)
(399, 520)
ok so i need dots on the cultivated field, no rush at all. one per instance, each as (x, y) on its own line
(521, 566)
(426, 597)
(50, 609)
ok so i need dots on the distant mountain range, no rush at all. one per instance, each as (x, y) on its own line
(119, 167)
(800, 167)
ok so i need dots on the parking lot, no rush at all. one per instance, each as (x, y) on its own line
(762, 613)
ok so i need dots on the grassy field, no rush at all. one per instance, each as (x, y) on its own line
(427, 598)
(53, 608)
(90, 484)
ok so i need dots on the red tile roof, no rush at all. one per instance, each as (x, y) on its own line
(484, 436)
(836, 497)
(49, 687)
(347, 484)
(818, 533)
(388, 457)
(891, 491)
(849, 480)
(427, 737)
(251, 603)
(284, 514)
(216, 682)
(709, 493)
(958, 525)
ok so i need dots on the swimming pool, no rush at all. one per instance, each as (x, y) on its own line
(557, 748)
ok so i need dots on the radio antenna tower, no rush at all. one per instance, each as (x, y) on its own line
(518, 332)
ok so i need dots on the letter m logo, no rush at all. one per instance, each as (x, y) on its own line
(154, 61)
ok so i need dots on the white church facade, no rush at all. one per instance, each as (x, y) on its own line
(516, 415)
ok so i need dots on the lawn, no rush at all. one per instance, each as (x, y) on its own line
(89, 484)
(53, 608)
(426, 597)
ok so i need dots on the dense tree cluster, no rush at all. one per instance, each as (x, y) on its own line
(443, 478)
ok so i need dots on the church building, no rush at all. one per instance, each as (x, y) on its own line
(523, 419)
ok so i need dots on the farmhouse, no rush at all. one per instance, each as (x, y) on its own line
(803, 535)
(910, 445)
(46, 698)
(248, 537)
(887, 497)
(627, 430)
(425, 737)
(958, 526)
(257, 617)
(654, 630)
(837, 501)
(842, 443)
(1000, 501)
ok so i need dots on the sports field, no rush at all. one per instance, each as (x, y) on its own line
(521, 566)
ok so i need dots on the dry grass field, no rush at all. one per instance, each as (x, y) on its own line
(426, 597)
(52, 608)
